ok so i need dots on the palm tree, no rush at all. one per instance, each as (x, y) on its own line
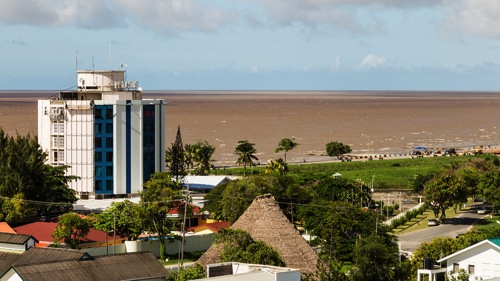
(286, 145)
(277, 167)
(203, 157)
(245, 151)
(189, 151)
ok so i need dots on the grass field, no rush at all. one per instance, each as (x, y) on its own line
(389, 173)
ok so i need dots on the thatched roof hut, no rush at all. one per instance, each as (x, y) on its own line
(265, 222)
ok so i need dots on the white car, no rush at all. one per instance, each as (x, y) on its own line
(484, 211)
(433, 222)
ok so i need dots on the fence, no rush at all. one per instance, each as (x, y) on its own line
(194, 243)
(400, 215)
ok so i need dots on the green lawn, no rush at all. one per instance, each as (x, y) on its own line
(389, 173)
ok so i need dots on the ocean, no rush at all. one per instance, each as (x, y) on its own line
(372, 123)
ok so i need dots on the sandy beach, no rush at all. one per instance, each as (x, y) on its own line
(373, 123)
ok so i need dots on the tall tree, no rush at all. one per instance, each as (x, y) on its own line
(245, 151)
(71, 228)
(159, 196)
(24, 174)
(125, 217)
(337, 149)
(177, 166)
(443, 191)
(203, 157)
(375, 259)
(189, 155)
(286, 145)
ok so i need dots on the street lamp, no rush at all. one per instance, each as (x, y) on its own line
(223, 145)
(368, 141)
(388, 196)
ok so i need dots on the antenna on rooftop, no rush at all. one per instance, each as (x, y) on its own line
(109, 53)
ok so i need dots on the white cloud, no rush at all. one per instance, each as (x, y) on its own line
(372, 61)
(477, 17)
(161, 16)
(82, 13)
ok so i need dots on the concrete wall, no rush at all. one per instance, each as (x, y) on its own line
(195, 243)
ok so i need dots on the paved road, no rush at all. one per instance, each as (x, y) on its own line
(457, 225)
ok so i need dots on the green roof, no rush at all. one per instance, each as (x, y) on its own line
(495, 241)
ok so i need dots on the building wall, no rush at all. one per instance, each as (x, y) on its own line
(16, 247)
(103, 142)
(485, 259)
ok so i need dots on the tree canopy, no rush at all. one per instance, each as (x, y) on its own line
(337, 149)
(71, 228)
(286, 145)
(159, 196)
(125, 217)
(245, 151)
(25, 176)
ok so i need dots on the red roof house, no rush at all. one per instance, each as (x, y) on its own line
(213, 227)
(42, 231)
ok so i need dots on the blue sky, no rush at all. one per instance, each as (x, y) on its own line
(254, 44)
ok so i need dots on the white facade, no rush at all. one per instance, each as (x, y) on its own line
(481, 261)
(105, 132)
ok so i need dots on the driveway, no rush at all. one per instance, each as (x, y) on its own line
(454, 226)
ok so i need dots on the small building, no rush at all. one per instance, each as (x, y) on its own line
(42, 232)
(235, 271)
(208, 228)
(481, 260)
(16, 242)
(62, 264)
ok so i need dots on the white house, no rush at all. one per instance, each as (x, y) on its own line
(16, 242)
(235, 271)
(481, 261)
(110, 137)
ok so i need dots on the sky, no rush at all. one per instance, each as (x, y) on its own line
(333, 45)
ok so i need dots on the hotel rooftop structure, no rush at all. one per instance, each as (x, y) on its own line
(110, 137)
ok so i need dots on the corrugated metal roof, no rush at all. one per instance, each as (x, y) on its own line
(7, 259)
(141, 265)
(495, 241)
(43, 255)
(14, 238)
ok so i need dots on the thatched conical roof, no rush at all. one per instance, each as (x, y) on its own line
(265, 222)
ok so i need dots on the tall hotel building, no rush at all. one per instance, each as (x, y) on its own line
(105, 132)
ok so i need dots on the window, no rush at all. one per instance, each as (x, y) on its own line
(55, 158)
(109, 113)
(98, 113)
(109, 185)
(109, 128)
(109, 156)
(61, 142)
(55, 141)
(456, 268)
(109, 171)
(98, 185)
(61, 156)
(98, 128)
(109, 142)
(471, 269)
(61, 128)
(98, 157)
(98, 171)
(55, 128)
(98, 142)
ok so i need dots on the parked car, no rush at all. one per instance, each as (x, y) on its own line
(484, 210)
(433, 222)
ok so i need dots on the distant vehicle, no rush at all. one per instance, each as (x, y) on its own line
(409, 201)
(450, 151)
(433, 222)
(484, 210)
